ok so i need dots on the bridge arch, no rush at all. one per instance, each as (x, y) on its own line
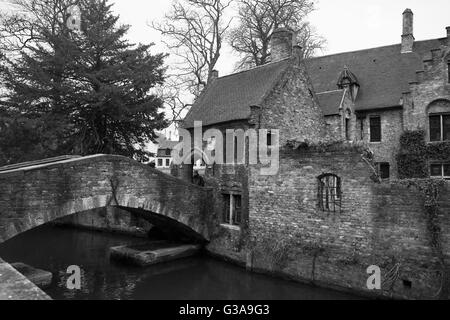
(35, 195)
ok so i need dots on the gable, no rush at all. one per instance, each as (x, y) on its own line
(229, 98)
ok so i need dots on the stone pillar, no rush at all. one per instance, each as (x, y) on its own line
(281, 44)
(408, 31)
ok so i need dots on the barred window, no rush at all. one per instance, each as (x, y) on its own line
(330, 193)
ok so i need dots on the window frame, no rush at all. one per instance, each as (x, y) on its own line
(379, 167)
(442, 165)
(329, 196)
(371, 128)
(232, 214)
(441, 126)
(160, 163)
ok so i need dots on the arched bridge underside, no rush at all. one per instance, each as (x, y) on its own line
(35, 195)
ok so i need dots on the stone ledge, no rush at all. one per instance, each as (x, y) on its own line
(153, 253)
(14, 286)
(41, 278)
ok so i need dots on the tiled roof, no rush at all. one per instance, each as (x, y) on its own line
(331, 101)
(382, 73)
(229, 98)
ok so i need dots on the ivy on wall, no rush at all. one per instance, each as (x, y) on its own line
(431, 190)
(415, 154)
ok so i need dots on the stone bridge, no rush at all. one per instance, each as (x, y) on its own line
(39, 193)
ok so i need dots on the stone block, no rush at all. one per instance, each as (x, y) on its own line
(148, 254)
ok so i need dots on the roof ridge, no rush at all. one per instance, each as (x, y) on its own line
(368, 49)
(255, 68)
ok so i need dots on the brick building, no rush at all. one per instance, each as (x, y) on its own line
(370, 96)
(328, 196)
(163, 159)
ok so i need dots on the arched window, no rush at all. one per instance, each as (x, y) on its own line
(439, 120)
(329, 193)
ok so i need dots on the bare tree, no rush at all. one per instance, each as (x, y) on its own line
(174, 97)
(257, 21)
(28, 23)
(194, 32)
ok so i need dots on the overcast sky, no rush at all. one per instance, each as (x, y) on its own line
(346, 24)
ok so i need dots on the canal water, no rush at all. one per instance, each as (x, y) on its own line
(201, 278)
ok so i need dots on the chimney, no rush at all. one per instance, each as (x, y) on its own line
(448, 35)
(297, 52)
(214, 75)
(408, 31)
(281, 44)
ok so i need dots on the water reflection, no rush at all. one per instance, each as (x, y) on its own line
(54, 249)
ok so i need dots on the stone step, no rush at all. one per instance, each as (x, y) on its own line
(41, 278)
(152, 253)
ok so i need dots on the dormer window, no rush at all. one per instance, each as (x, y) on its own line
(347, 80)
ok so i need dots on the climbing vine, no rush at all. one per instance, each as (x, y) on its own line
(415, 154)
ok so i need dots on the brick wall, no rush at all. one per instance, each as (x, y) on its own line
(431, 85)
(391, 131)
(380, 224)
(293, 109)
